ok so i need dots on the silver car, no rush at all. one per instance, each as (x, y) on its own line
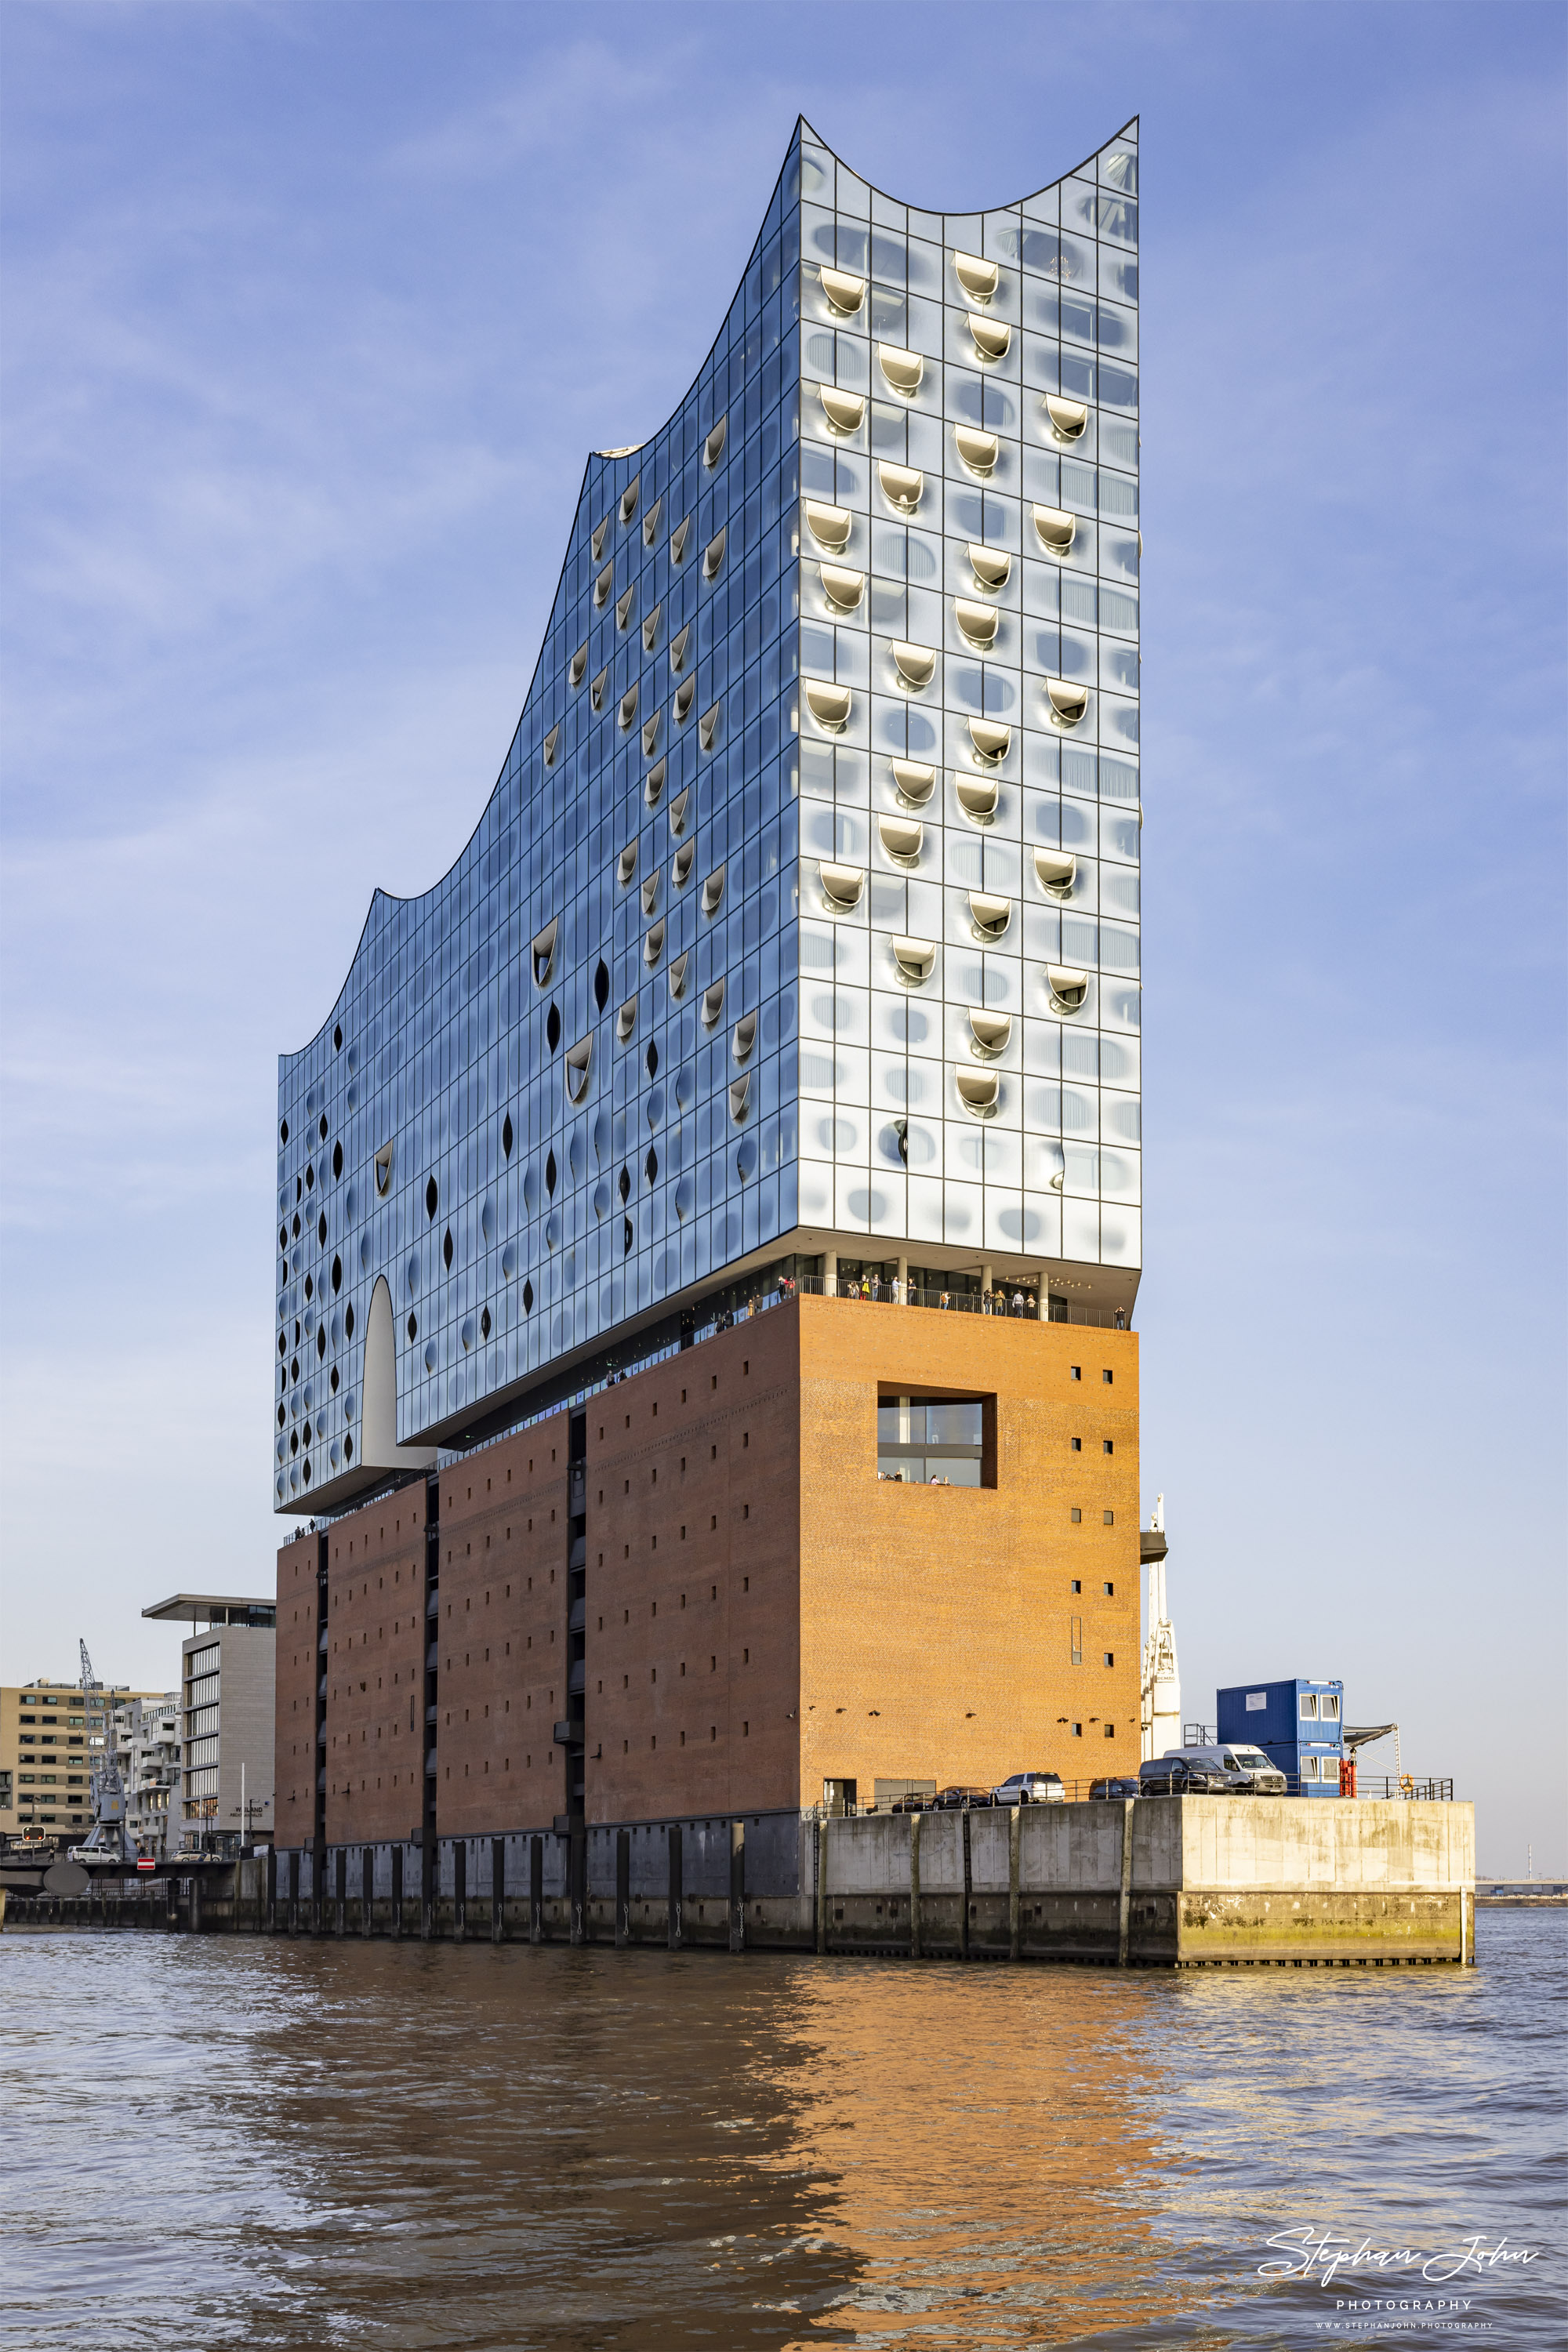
(1030, 1788)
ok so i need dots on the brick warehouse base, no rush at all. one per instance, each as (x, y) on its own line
(1167, 1881)
(694, 1593)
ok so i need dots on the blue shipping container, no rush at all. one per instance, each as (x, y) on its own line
(1299, 1725)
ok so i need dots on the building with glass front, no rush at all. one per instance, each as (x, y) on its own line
(792, 965)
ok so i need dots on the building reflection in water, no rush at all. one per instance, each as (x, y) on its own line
(559, 2148)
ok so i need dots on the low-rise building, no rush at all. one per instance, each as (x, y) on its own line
(226, 1719)
(147, 1747)
(50, 1741)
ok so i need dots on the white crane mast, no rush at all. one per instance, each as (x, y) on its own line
(1160, 1713)
(109, 1833)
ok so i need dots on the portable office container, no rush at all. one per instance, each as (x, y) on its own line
(1299, 1725)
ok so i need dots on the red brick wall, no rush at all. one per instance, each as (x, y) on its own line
(503, 1646)
(693, 1516)
(376, 1731)
(294, 1718)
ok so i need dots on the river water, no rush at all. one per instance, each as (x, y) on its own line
(221, 2141)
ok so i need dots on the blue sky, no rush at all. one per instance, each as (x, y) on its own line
(312, 314)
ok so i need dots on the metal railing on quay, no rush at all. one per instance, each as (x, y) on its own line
(1116, 1786)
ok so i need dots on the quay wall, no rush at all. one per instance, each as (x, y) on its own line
(1163, 1882)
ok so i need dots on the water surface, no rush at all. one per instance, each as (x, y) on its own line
(228, 2141)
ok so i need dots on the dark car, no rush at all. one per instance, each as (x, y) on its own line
(1177, 1776)
(1117, 1786)
(918, 1800)
(951, 1801)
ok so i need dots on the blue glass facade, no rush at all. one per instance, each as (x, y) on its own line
(803, 916)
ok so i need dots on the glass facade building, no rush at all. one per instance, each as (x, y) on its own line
(802, 925)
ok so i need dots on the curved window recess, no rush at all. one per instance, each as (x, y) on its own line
(578, 1062)
(624, 606)
(679, 646)
(509, 1260)
(603, 585)
(744, 1037)
(601, 533)
(901, 837)
(578, 667)
(1067, 988)
(527, 1296)
(653, 946)
(903, 370)
(901, 1138)
(651, 1058)
(628, 710)
(977, 278)
(678, 972)
(843, 410)
(844, 294)
(685, 695)
(678, 809)
(684, 1198)
(446, 1250)
(901, 485)
(915, 781)
(712, 891)
(552, 1028)
(337, 1160)
(651, 735)
(553, 1230)
(830, 526)
(740, 1096)
(991, 739)
(1056, 871)
(990, 916)
(506, 1138)
(596, 691)
(1067, 418)
(650, 523)
(627, 1020)
(990, 1033)
(976, 797)
(712, 1005)
(626, 864)
(544, 952)
(828, 705)
(1055, 529)
(655, 784)
(383, 1170)
(915, 665)
(979, 623)
(714, 557)
(650, 628)
(551, 742)
(680, 864)
(708, 725)
(713, 448)
(842, 589)
(993, 337)
(1068, 700)
(650, 892)
(978, 451)
(978, 1091)
(678, 538)
(431, 1200)
(841, 886)
(629, 499)
(992, 566)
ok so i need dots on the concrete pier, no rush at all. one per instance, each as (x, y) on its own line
(1161, 1882)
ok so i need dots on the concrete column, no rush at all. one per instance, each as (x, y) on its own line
(737, 1887)
(1124, 1912)
(986, 1285)
(397, 1890)
(1015, 1837)
(577, 1881)
(964, 1891)
(343, 1889)
(903, 1279)
(460, 1890)
(497, 1890)
(675, 1889)
(829, 1274)
(536, 1890)
(915, 1821)
(367, 1890)
(622, 1889)
(822, 1884)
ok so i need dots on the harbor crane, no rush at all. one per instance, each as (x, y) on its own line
(109, 1838)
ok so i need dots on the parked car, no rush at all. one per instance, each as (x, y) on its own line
(1030, 1788)
(918, 1800)
(1245, 1771)
(1176, 1776)
(954, 1800)
(1118, 1785)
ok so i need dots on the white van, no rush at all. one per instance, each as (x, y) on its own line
(1247, 1770)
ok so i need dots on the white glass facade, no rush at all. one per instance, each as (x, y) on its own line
(802, 922)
